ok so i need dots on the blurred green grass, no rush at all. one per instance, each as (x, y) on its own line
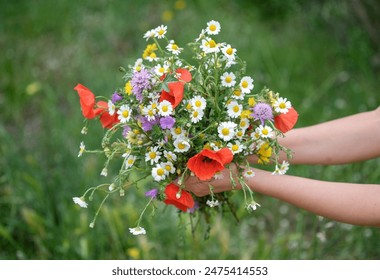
(317, 54)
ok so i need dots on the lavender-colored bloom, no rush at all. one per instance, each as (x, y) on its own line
(195, 207)
(116, 97)
(167, 122)
(262, 112)
(126, 129)
(147, 125)
(140, 81)
(152, 193)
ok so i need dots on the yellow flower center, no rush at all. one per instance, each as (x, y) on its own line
(161, 32)
(244, 84)
(150, 113)
(225, 131)
(228, 79)
(125, 113)
(152, 155)
(243, 123)
(160, 172)
(130, 161)
(174, 47)
(168, 168)
(195, 114)
(229, 51)
(165, 108)
(265, 131)
(198, 103)
(181, 146)
(235, 148)
(236, 109)
(212, 27)
(212, 44)
(178, 130)
(282, 105)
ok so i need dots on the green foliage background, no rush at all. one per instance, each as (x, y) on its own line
(322, 55)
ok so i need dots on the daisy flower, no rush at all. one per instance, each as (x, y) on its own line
(170, 156)
(246, 84)
(149, 112)
(181, 145)
(234, 109)
(124, 113)
(282, 169)
(111, 108)
(226, 130)
(248, 173)
(264, 131)
(82, 148)
(229, 52)
(228, 79)
(239, 134)
(160, 70)
(138, 66)
(238, 94)
(104, 172)
(209, 46)
(282, 105)
(198, 102)
(178, 132)
(165, 108)
(149, 34)
(137, 230)
(153, 155)
(213, 27)
(244, 123)
(168, 167)
(129, 161)
(160, 31)
(196, 116)
(235, 148)
(159, 173)
(80, 201)
(173, 48)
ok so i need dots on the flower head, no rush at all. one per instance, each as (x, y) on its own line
(140, 81)
(137, 230)
(226, 130)
(167, 122)
(213, 27)
(178, 197)
(124, 113)
(80, 201)
(228, 79)
(82, 148)
(160, 31)
(282, 105)
(152, 193)
(285, 122)
(262, 112)
(246, 84)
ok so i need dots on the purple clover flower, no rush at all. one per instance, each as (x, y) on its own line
(152, 193)
(262, 112)
(167, 122)
(140, 81)
(116, 97)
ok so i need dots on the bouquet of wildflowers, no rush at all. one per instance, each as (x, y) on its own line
(173, 119)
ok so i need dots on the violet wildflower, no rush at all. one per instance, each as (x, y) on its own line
(262, 112)
(140, 81)
(116, 97)
(147, 125)
(152, 193)
(126, 129)
(167, 122)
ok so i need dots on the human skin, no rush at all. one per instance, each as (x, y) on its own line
(341, 141)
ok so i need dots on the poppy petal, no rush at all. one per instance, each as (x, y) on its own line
(184, 202)
(286, 122)
(87, 101)
(185, 75)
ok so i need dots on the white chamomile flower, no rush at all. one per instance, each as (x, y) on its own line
(198, 102)
(84, 130)
(201, 35)
(138, 65)
(170, 156)
(181, 145)
(129, 161)
(213, 27)
(173, 48)
(264, 131)
(149, 34)
(226, 130)
(240, 134)
(228, 79)
(165, 108)
(150, 112)
(178, 132)
(160, 70)
(212, 203)
(168, 167)
(160, 31)
(282, 105)
(244, 123)
(153, 155)
(196, 116)
(104, 172)
(238, 94)
(246, 84)
(111, 108)
(137, 230)
(234, 109)
(229, 52)
(253, 206)
(236, 147)
(82, 148)
(80, 201)
(159, 173)
(124, 113)
(249, 173)
(218, 175)
(282, 169)
(210, 46)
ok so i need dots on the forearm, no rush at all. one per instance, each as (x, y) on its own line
(346, 140)
(350, 203)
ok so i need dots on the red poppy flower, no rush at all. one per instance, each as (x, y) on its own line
(106, 119)
(175, 93)
(286, 122)
(179, 198)
(87, 101)
(206, 163)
